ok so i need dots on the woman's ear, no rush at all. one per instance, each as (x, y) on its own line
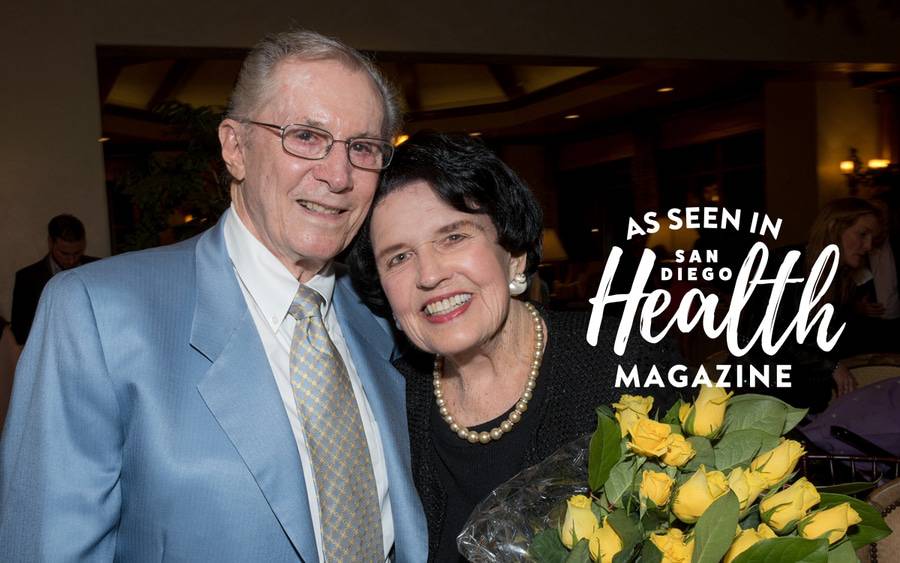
(517, 264)
(232, 152)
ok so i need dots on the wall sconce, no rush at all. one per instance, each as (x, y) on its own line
(858, 174)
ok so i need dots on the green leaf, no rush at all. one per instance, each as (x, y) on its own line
(621, 479)
(739, 447)
(847, 488)
(793, 549)
(671, 416)
(604, 451)
(705, 454)
(871, 529)
(843, 553)
(654, 518)
(653, 466)
(650, 553)
(580, 553)
(548, 548)
(792, 418)
(599, 511)
(606, 411)
(756, 412)
(715, 529)
(751, 518)
(628, 532)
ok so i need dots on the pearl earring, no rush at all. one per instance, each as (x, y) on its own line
(518, 284)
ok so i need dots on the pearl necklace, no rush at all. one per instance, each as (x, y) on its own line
(521, 406)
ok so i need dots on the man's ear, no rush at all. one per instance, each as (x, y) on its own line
(232, 152)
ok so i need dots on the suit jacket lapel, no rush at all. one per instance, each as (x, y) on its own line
(241, 393)
(371, 346)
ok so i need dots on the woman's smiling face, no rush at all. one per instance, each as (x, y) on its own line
(445, 276)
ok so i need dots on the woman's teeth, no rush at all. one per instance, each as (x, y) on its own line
(319, 208)
(446, 305)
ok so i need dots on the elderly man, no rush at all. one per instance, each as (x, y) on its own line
(228, 398)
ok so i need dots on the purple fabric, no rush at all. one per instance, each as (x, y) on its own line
(873, 412)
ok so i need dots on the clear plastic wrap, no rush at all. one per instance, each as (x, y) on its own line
(503, 525)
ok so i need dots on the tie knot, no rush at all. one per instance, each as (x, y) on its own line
(306, 303)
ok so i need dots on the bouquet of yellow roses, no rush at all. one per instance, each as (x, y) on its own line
(711, 481)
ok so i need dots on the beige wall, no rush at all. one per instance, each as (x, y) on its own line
(50, 114)
(49, 154)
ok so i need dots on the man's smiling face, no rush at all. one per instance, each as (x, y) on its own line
(306, 211)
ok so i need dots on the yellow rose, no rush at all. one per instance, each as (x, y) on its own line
(746, 539)
(695, 495)
(604, 544)
(833, 521)
(776, 464)
(678, 451)
(673, 547)
(656, 486)
(630, 409)
(580, 521)
(746, 485)
(648, 437)
(789, 505)
(708, 411)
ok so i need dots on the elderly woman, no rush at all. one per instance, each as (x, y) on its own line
(452, 236)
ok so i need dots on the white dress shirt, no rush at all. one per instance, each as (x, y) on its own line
(269, 290)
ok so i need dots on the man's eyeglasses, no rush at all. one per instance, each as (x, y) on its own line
(313, 143)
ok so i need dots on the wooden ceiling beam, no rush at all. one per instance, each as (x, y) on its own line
(505, 76)
(178, 74)
(410, 85)
(108, 70)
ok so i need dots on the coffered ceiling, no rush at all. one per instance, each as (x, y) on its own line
(493, 96)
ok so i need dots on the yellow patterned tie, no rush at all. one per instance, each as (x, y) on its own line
(348, 499)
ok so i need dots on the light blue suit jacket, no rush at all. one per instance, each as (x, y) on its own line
(145, 423)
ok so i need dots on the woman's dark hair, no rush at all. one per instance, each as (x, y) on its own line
(466, 175)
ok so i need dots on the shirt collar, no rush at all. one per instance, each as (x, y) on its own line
(270, 285)
(54, 267)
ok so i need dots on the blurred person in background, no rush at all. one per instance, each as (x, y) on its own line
(852, 224)
(66, 243)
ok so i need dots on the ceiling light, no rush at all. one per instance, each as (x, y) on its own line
(572, 116)
(475, 134)
(847, 166)
(879, 163)
(595, 230)
(102, 139)
(665, 89)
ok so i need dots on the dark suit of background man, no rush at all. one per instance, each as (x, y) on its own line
(180, 403)
(66, 243)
